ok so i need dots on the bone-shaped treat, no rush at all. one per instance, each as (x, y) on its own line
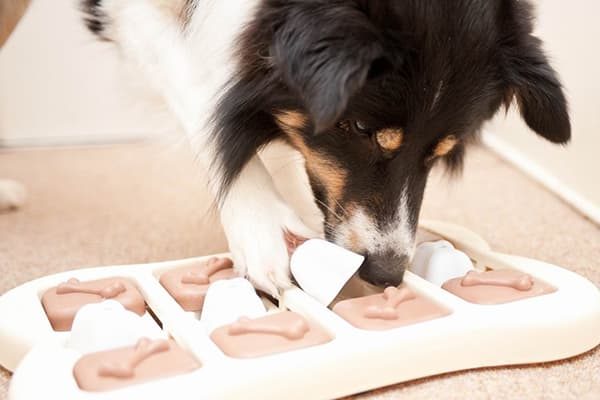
(213, 265)
(74, 286)
(294, 331)
(393, 298)
(509, 278)
(126, 369)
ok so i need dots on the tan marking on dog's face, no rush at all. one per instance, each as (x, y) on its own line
(291, 122)
(324, 169)
(390, 139)
(445, 146)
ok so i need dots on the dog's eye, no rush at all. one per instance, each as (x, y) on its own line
(355, 126)
(361, 127)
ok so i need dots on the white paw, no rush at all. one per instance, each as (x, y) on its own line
(12, 195)
(255, 229)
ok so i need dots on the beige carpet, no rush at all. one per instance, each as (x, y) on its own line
(138, 203)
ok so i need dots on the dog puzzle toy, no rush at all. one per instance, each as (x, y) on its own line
(228, 341)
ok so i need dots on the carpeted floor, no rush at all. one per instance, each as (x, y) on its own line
(138, 203)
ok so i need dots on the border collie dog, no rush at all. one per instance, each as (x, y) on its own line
(372, 93)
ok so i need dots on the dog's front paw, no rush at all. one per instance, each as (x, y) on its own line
(260, 236)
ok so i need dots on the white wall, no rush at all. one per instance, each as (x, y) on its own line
(59, 85)
(571, 33)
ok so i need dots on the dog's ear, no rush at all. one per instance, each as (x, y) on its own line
(538, 92)
(325, 52)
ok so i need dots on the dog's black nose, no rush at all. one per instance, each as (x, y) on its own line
(384, 269)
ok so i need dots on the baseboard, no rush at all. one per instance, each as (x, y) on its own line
(79, 140)
(539, 174)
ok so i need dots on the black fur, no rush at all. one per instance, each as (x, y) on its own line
(94, 17)
(382, 62)
(529, 75)
(97, 21)
(431, 68)
(302, 54)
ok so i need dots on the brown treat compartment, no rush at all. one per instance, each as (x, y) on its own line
(368, 307)
(497, 286)
(187, 285)
(279, 331)
(276, 332)
(147, 361)
(262, 343)
(62, 302)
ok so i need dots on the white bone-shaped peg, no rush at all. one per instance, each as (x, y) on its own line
(322, 268)
(228, 300)
(439, 262)
(108, 325)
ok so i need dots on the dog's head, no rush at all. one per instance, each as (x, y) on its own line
(374, 93)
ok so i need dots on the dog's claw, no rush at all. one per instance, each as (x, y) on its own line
(267, 266)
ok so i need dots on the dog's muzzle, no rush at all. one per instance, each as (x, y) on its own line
(384, 269)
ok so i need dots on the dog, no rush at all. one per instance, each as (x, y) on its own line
(372, 93)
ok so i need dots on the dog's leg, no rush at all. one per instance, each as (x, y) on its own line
(255, 218)
(175, 63)
(153, 46)
(12, 195)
